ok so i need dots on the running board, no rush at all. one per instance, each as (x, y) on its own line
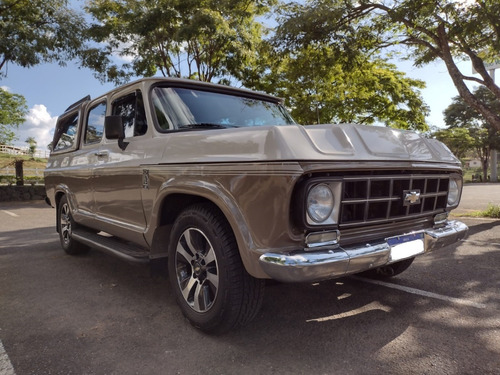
(111, 245)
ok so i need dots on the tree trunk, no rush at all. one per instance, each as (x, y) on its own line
(490, 116)
(485, 170)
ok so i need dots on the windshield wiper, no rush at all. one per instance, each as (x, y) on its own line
(202, 125)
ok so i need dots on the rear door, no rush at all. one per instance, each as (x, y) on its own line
(86, 159)
(69, 169)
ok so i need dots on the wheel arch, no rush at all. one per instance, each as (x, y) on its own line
(174, 200)
(60, 192)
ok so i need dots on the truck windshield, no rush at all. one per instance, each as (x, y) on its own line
(184, 108)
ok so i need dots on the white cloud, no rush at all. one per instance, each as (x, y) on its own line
(40, 125)
(5, 88)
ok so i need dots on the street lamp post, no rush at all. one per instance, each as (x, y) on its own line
(494, 157)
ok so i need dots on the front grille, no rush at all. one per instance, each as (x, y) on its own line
(378, 199)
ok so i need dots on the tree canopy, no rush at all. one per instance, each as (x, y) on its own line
(468, 128)
(423, 30)
(319, 86)
(13, 110)
(199, 39)
(36, 31)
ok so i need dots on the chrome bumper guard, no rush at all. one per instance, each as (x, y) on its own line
(333, 262)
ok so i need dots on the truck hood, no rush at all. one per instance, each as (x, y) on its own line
(339, 142)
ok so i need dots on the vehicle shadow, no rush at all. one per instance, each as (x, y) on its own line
(119, 319)
(12, 240)
(484, 226)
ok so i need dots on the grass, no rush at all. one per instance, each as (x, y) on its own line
(29, 163)
(493, 212)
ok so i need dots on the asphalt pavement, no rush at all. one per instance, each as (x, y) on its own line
(477, 197)
(95, 314)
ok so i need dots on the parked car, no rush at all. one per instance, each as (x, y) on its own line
(225, 185)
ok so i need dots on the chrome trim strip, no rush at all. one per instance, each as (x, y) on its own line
(365, 200)
(399, 219)
(302, 266)
(396, 176)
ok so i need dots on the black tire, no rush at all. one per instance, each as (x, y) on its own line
(211, 285)
(390, 270)
(65, 227)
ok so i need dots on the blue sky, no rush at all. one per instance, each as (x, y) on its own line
(50, 88)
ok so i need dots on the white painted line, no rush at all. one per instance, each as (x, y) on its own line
(370, 307)
(5, 365)
(419, 292)
(10, 213)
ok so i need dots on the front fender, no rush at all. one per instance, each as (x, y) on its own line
(218, 195)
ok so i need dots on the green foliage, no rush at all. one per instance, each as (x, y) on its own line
(493, 212)
(460, 114)
(422, 30)
(458, 140)
(32, 145)
(319, 86)
(200, 39)
(13, 109)
(36, 31)
(468, 128)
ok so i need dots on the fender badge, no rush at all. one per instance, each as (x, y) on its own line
(145, 178)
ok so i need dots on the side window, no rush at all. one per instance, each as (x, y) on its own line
(66, 132)
(131, 109)
(95, 123)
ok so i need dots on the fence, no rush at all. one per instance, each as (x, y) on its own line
(28, 172)
(12, 150)
(31, 176)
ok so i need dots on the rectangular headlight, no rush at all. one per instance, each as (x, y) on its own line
(454, 190)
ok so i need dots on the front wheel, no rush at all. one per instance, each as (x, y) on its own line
(212, 287)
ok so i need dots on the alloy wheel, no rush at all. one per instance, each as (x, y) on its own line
(197, 270)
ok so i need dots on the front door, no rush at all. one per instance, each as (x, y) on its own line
(118, 176)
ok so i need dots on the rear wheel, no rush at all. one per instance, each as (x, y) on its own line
(66, 225)
(390, 270)
(212, 287)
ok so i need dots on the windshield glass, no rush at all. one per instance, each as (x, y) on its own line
(178, 108)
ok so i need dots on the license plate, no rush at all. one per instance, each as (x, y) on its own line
(406, 246)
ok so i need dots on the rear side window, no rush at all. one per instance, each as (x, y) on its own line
(131, 109)
(95, 123)
(66, 132)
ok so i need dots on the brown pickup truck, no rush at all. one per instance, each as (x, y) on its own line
(225, 185)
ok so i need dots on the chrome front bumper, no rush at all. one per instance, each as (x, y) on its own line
(337, 261)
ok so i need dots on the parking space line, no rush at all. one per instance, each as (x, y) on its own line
(458, 301)
(5, 365)
(10, 213)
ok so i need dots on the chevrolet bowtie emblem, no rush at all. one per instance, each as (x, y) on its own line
(411, 197)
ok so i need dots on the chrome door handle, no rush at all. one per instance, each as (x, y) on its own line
(101, 154)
